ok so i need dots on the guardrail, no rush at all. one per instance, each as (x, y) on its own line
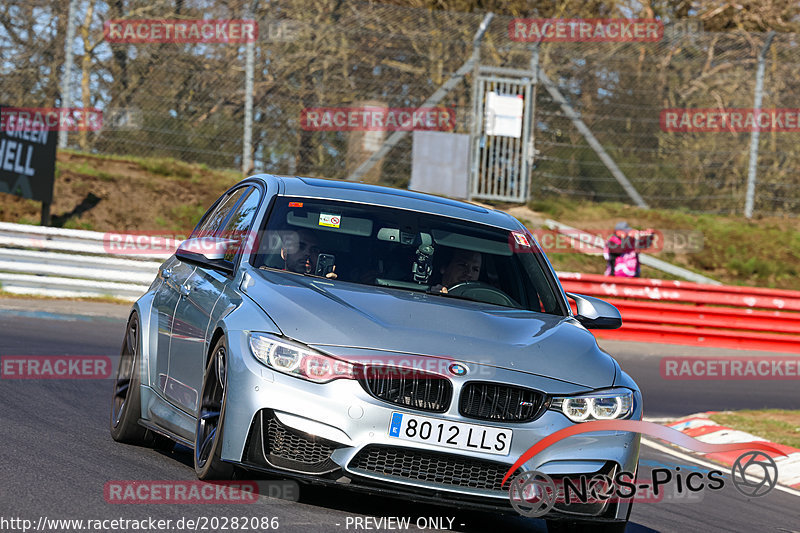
(76, 263)
(679, 312)
(70, 263)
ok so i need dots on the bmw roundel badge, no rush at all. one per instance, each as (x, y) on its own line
(458, 370)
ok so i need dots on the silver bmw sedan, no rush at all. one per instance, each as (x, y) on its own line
(378, 339)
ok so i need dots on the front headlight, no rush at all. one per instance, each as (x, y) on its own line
(601, 405)
(298, 360)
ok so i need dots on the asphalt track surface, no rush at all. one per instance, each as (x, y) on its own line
(56, 453)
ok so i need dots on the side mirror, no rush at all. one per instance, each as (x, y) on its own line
(206, 251)
(595, 313)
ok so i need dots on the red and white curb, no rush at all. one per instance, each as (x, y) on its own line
(701, 427)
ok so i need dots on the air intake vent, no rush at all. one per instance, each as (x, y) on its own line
(431, 467)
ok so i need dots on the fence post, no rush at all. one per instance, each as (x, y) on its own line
(247, 139)
(66, 97)
(530, 123)
(754, 135)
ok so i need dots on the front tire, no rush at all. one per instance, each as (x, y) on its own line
(126, 401)
(208, 464)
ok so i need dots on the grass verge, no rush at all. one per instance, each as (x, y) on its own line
(763, 252)
(5, 295)
(776, 425)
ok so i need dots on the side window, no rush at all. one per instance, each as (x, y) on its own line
(214, 219)
(239, 224)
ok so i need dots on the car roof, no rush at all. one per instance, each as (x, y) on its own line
(389, 197)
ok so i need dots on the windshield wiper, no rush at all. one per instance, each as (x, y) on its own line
(275, 269)
(397, 284)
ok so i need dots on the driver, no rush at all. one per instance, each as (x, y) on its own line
(464, 265)
(300, 251)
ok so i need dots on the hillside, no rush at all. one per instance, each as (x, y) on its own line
(762, 252)
(117, 193)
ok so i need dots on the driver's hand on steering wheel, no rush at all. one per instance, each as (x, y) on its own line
(439, 288)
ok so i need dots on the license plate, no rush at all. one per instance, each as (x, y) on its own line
(448, 434)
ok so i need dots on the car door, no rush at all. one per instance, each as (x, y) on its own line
(199, 297)
(173, 274)
(174, 289)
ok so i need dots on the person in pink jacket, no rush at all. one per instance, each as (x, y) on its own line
(622, 251)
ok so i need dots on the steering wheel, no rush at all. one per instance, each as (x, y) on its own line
(482, 292)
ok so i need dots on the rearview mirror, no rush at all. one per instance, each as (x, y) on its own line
(595, 313)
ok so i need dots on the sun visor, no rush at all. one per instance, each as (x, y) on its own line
(473, 244)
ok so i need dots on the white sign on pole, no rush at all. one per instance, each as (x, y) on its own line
(440, 163)
(372, 140)
(504, 115)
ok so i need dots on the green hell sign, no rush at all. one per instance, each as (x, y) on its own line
(27, 155)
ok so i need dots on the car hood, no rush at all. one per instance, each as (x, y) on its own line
(322, 313)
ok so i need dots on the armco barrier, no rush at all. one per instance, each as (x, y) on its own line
(70, 263)
(679, 312)
(65, 262)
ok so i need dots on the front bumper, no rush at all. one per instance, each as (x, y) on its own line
(338, 433)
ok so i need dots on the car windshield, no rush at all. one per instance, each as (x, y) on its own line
(406, 250)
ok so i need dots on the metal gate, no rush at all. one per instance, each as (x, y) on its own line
(501, 151)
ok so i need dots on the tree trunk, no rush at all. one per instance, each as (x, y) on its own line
(86, 71)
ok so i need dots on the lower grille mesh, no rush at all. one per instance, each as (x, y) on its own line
(284, 443)
(432, 467)
(270, 444)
